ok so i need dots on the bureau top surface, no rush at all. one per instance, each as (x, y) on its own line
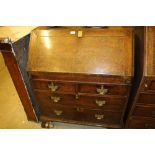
(81, 50)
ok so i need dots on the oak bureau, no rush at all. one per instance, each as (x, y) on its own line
(81, 75)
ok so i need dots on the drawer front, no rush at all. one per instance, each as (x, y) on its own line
(143, 123)
(53, 86)
(104, 89)
(80, 114)
(105, 103)
(145, 111)
(152, 85)
(50, 99)
(148, 85)
(146, 98)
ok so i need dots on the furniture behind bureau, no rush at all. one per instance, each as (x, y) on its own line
(81, 75)
(142, 113)
(14, 43)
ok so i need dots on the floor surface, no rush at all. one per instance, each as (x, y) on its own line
(12, 115)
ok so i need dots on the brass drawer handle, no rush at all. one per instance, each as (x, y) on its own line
(99, 116)
(58, 112)
(100, 103)
(102, 90)
(55, 99)
(52, 87)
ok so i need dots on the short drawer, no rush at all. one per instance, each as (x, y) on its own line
(50, 99)
(144, 111)
(149, 85)
(104, 103)
(104, 89)
(146, 98)
(142, 123)
(53, 86)
(80, 114)
(99, 116)
(94, 102)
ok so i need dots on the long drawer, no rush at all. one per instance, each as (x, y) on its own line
(141, 123)
(144, 111)
(87, 88)
(149, 85)
(57, 112)
(94, 102)
(146, 98)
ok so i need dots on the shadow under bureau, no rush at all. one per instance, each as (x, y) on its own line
(81, 75)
